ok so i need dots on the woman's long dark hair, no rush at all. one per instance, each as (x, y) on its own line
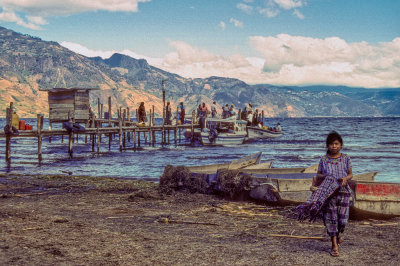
(332, 137)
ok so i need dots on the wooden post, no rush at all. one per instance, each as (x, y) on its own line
(39, 136)
(109, 141)
(109, 111)
(94, 136)
(134, 138)
(70, 141)
(175, 134)
(150, 128)
(98, 137)
(123, 124)
(153, 123)
(120, 134)
(50, 130)
(192, 138)
(98, 108)
(9, 112)
(262, 123)
(163, 115)
(129, 120)
(138, 138)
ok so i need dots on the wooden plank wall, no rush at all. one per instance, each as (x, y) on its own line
(82, 105)
(73, 102)
(60, 104)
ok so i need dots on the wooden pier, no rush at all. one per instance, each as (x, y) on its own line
(127, 131)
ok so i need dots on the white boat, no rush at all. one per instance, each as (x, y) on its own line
(254, 132)
(227, 131)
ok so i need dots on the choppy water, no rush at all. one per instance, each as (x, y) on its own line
(372, 143)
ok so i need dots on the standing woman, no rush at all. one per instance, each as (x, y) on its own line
(333, 195)
(182, 113)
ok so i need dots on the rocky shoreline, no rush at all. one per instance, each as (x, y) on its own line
(48, 220)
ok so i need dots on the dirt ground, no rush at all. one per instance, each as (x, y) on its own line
(68, 220)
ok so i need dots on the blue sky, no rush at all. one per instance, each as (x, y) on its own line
(283, 42)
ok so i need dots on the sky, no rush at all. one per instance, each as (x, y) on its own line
(282, 42)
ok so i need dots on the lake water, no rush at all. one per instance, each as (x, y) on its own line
(372, 143)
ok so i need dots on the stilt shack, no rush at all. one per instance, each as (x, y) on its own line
(69, 103)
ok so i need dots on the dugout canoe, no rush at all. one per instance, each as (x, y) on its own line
(265, 165)
(377, 198)
(293, 170)
(291, 188)
(235, 164)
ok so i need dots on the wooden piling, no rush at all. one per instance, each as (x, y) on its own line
(150, 128)
(98, 138)
(262, 122)
(192, 138)
(153, 123)
(123, 124)
(9, 112)
(129, 120)
(134, 138)
(70, 144)
(39, 136)
(120, 134)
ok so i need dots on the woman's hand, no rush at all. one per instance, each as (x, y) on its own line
(344, 182)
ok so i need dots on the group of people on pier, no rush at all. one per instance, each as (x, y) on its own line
(180, 116)
(253, 117)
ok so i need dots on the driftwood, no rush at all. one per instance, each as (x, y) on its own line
(169, 221)
(299, 237)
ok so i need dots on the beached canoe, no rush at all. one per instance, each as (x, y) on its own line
(295, 187)
(235, 164)
(379, 198)
(265, 165)
(257, 170)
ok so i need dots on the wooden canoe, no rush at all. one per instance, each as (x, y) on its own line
(294, 187)
(311, 169)
(235, 164)
(381, 198)
(265, 165)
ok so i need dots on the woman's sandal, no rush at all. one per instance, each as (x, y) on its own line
(334, 252)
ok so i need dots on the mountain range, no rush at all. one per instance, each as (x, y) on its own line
(29, 65)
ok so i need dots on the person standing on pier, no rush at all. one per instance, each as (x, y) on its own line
(142, 113)
(203, 114)
(214, 109)
(182, 113)
(168, 114)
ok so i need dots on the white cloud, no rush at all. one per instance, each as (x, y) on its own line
(222, 25)
(289, 4)
(245, 8)
(284, 60)
(298, 14)
(41, 9)
(10, 16)
(268, 12)
(236, 22)
(296, 60)
(272, 8)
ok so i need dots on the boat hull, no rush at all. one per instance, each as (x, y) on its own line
(261, 133)
(378, 198)
(243, 162)
(223, 139)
